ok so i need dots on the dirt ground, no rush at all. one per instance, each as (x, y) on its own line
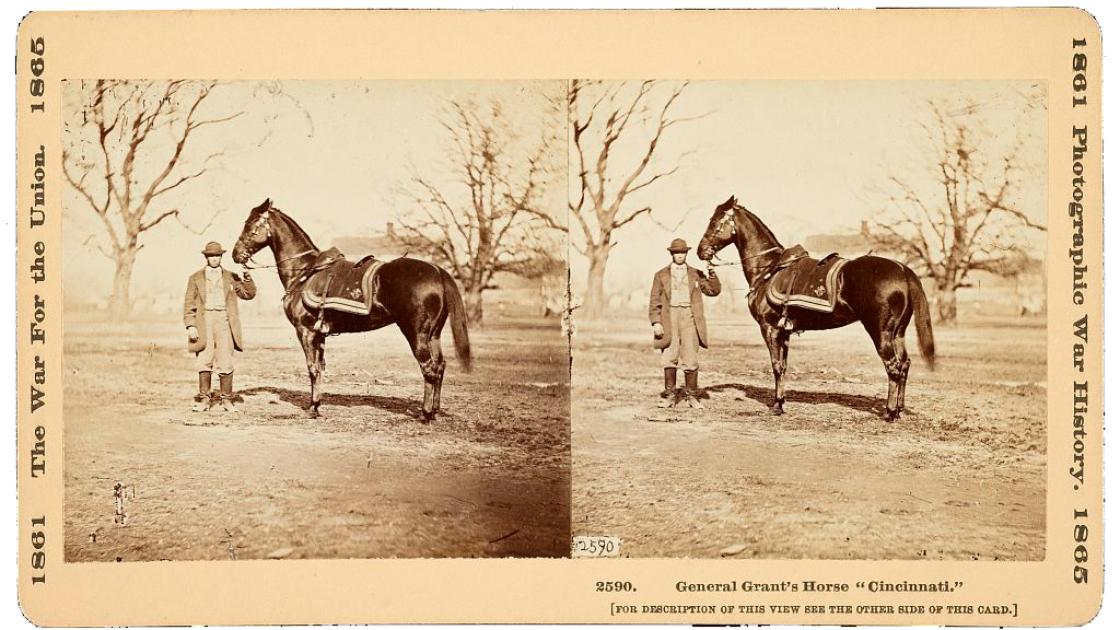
(490, 477)
(961, 477)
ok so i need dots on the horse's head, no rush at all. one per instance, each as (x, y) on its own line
(256, 234)
(721, 230)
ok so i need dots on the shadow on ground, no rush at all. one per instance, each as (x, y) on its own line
(392, 404)
(765, 395)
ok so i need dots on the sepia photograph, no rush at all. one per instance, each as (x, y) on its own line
(314, 320)
(717, 317)
(809, 318)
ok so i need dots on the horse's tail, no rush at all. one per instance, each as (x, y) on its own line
(458, 317)
(921, 320)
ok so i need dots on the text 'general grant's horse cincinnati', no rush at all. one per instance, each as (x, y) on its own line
(880, 293)
(415, 295)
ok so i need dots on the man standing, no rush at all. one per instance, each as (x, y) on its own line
(213, 325)
(676, 311)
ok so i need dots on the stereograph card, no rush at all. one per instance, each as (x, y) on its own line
(690, 317)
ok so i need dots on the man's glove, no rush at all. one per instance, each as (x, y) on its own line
(658, 330)
(711, 269)
(192, 333)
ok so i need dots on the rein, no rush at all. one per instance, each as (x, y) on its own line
(299, 255)
(743, 260)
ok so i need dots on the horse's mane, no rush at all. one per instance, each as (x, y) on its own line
(759, 225)
(296, 229)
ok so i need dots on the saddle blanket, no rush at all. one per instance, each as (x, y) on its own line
(343, 286)
(808, 283)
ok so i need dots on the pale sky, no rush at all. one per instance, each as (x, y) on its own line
(327, 153)
(804, 156)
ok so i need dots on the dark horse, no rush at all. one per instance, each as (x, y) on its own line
(415, 295)
(880, 293)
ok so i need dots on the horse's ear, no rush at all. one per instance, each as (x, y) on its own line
(732, 200)
(267, 203)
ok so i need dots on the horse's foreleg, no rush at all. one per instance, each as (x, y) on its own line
(312, 343)
(777, 341)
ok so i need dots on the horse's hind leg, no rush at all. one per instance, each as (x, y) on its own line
(428, 354)
(438, 368)
(903, 362)
(885, 331)
(903, 369)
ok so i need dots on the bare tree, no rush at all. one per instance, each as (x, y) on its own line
(603, 116)
(128, 144)
(495, 217)
(961, 214)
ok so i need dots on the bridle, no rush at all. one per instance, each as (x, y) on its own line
(264, 222)
(729, 218)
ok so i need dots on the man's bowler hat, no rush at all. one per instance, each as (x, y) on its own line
(678, 246)
(213, 248)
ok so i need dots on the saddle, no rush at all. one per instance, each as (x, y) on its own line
(326, 257)
(341, 285)
(806, 283)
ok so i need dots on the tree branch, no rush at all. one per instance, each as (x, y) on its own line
(144, 227)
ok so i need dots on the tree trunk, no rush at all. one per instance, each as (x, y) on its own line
(472, 302)
(593, 299)
(946, 300)
(120, 302)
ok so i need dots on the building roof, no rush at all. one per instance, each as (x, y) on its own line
(383, 245)
(821, 244)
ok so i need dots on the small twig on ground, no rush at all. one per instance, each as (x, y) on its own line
(914, 496)
(229, 545)
(501, 538)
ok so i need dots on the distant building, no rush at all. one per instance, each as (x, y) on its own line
(1021, 294)
(385, 245)
(847, 245)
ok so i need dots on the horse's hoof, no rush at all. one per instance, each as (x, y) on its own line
(891, 416)
(426, 417)
(776, 410)
(312, 412)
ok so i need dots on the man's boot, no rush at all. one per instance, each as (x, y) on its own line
(669, 394)
(202, 398)
(691, 389)
(226, 383)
